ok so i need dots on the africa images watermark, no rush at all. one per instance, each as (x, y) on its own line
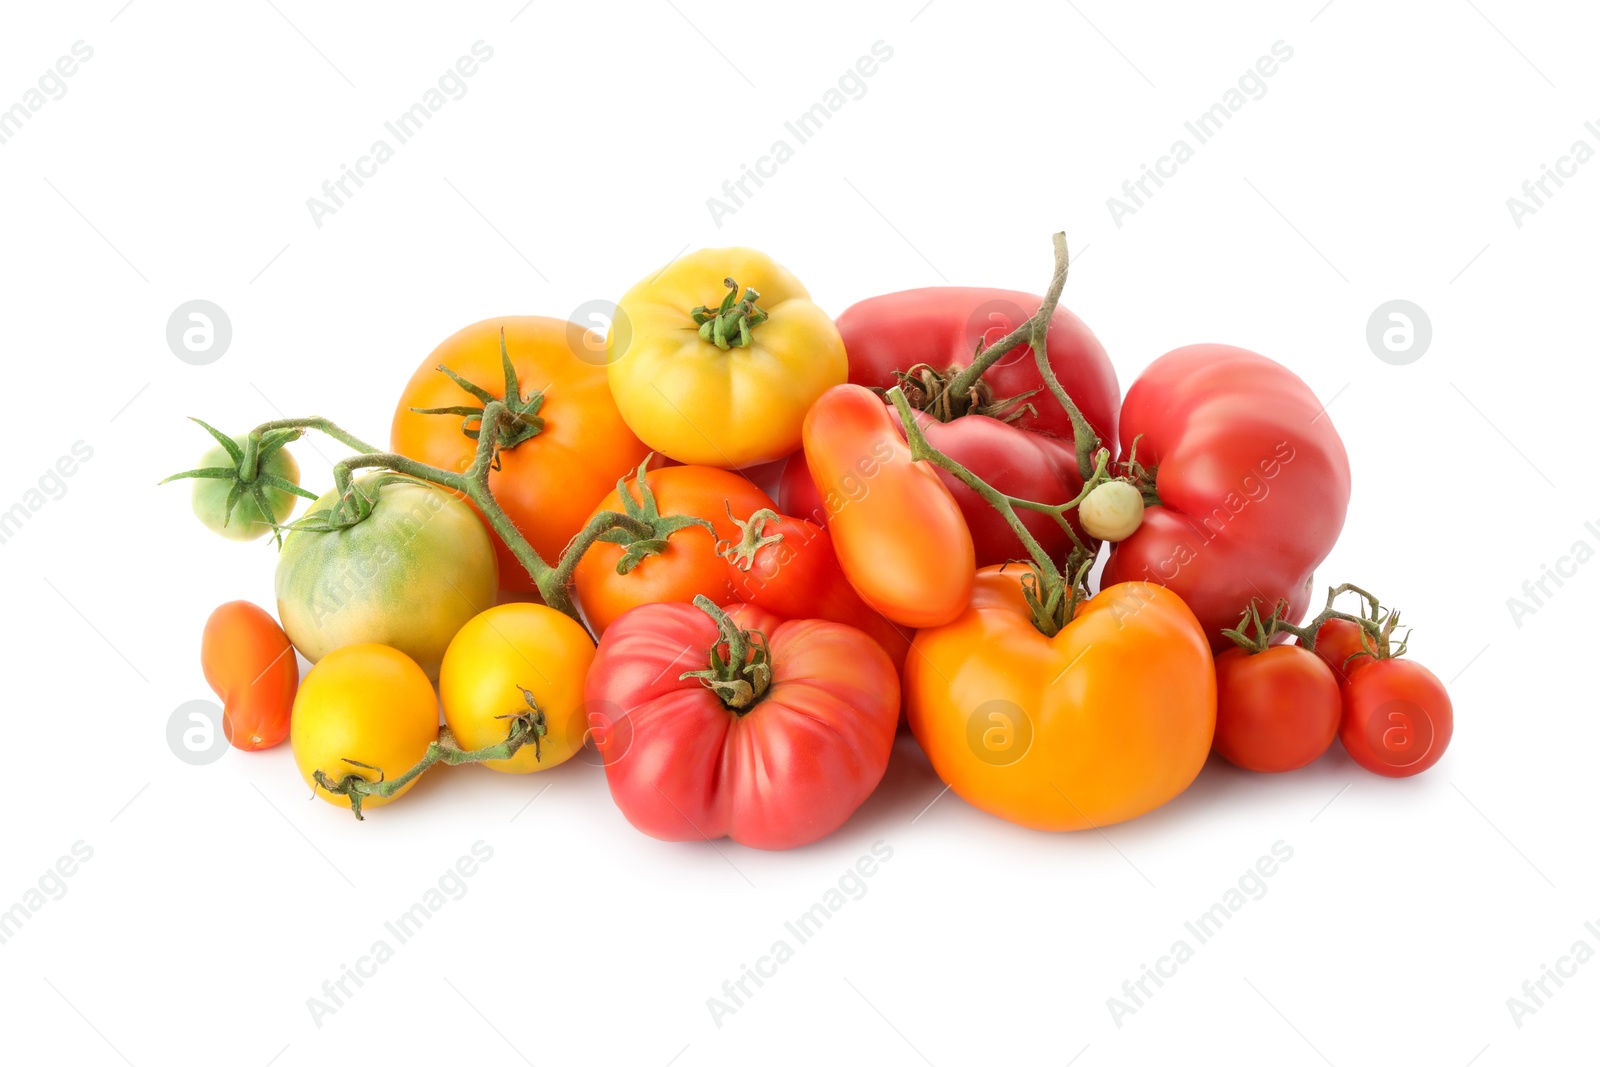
(450, 885)
(851, 85)
(1251, 885)
(1536, 592)
(51, 885)
(1252, 85)
(52, 85)
(1537, 191)
(51, 485)
(851, 885)
(1536, 992)
(451, 85)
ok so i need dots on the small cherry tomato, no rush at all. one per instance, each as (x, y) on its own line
(501, 658)
(1277, 710)
(366, 710)
(249, 663)
(1339, 646)
(1397, 718)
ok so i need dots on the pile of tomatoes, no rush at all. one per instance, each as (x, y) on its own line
(738, 542)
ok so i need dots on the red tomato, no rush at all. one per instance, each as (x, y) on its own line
(786, 770)
(1031, 456)
(795, 574)
(689, 565)
(1277, 710)
(251, 666)
(1252, 477)
(1397, 718)
(1339, 646)
(899, 534)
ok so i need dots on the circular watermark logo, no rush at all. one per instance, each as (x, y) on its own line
(999, 732)
(199, 332)
(992, 320)
(1399, 332)
(589, 327)
(604, 724)
(1400, 733)
(195, 734)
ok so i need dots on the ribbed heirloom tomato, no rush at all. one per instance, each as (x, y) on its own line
(1008, 430)
(567, 449)
(715, 358)
(746, 726)
(1252, 478)
(1108, 719)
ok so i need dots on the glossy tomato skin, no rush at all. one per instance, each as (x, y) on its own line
(550, 483)
(683, 767)
(1107, 720)
(799, 577)
(493, 659)
(367, 703)
(1339, 646)
(899, 535)
(251, 666)
(698, 403)
(209, 497)
(1277, 710)
(1031, 457)
(409, 575)
(689, 566)
(1253, 481)
(1397, 718)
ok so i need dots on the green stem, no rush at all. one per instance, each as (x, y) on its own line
(316, 422)
(1035, 333)
(741, 678)
(526, 727)
(922, 450)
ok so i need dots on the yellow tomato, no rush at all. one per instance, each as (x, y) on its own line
(367, 703)
(716, 376)
(493, 659)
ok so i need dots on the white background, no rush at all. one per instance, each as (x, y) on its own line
(1377, 166)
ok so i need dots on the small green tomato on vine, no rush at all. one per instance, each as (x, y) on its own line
(1112, 511)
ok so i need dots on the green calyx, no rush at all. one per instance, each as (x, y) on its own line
(741, 677)
(646, 515)
(522, 420)
(248, 473)
(354, 505)
(1376, 624)
(730, 324)
(742, 553)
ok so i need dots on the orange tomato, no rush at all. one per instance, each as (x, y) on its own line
(689, 564)
(1108, 719)
(899, 534)
(549, 483)
(249, 663)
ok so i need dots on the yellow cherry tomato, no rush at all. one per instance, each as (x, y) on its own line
(497, 656)
(715, 358)
(367, 703)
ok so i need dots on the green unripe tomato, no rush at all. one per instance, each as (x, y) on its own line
(247, 523)
(1112, 511)
(409, 575)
